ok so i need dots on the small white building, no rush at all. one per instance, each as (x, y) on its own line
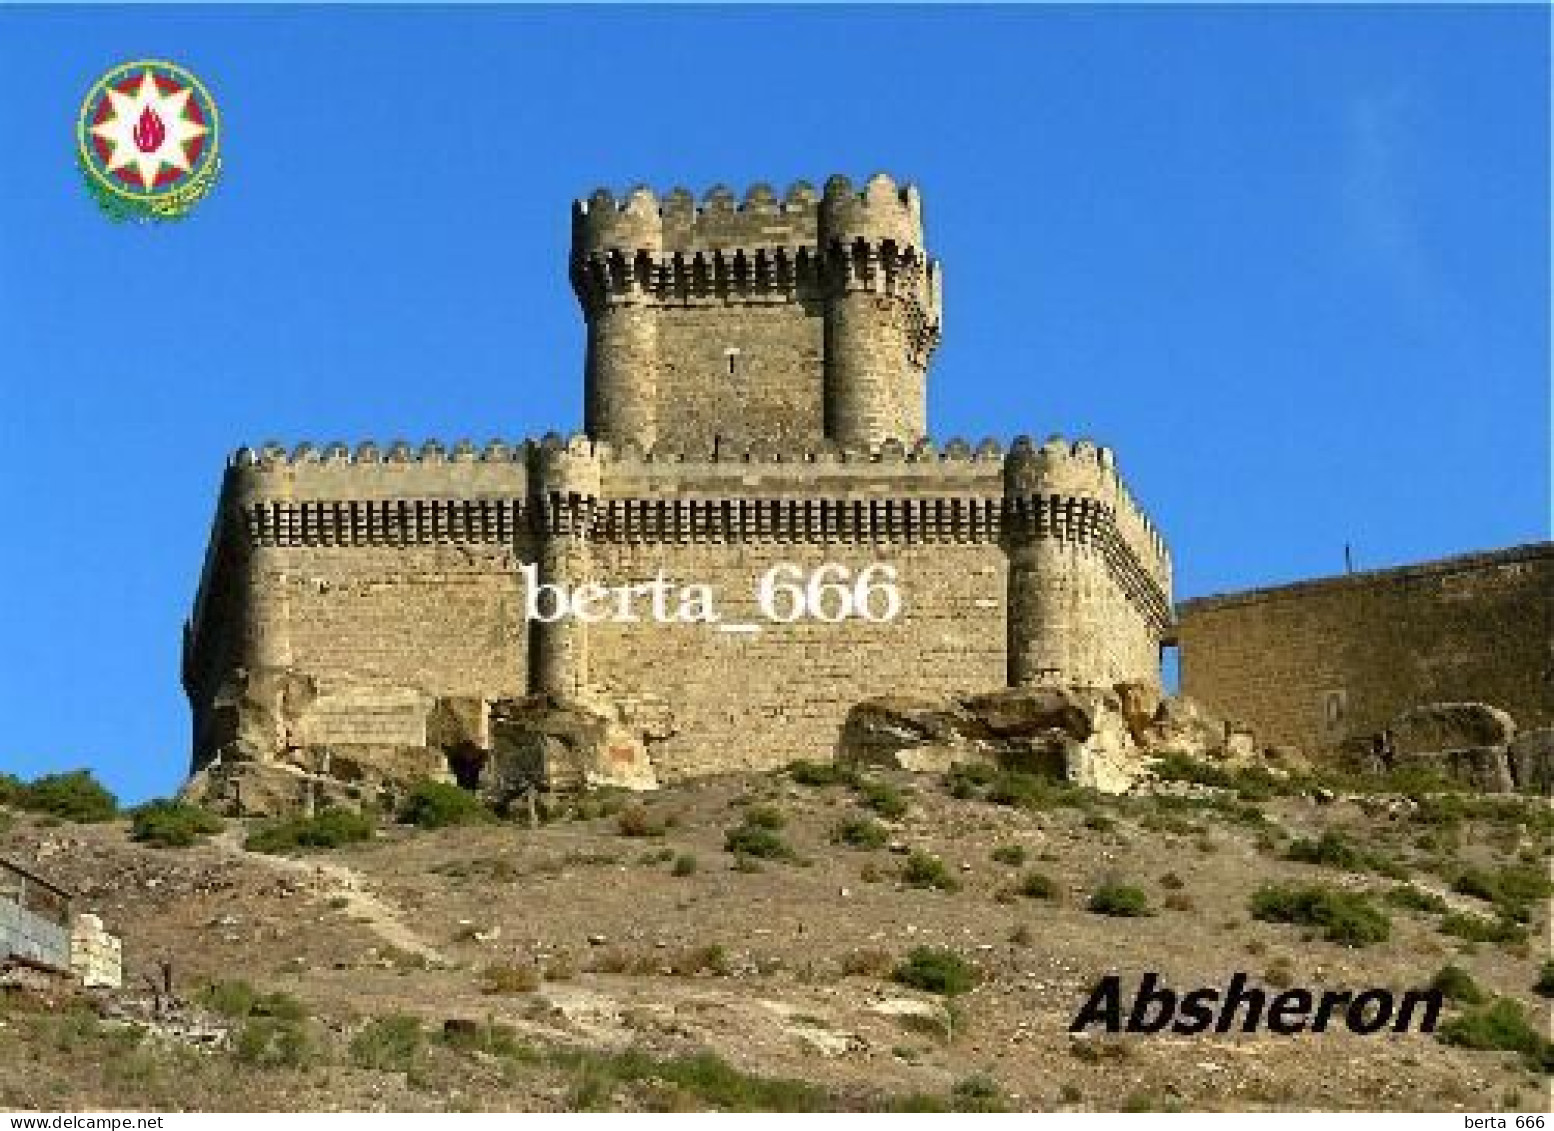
(39, 929)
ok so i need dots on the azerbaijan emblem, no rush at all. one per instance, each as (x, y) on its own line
(148, 141)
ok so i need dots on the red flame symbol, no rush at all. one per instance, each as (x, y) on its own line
(149, 132)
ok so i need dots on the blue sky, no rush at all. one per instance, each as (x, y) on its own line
(1293, 264)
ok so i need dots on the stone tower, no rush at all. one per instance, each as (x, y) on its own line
(797, 320)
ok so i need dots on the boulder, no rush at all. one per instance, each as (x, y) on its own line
(1073, 733)
(1019, 712)
(903, 732)
(1531, 760)
(550, 744)
(1182, 726)
(1434, 728)
(241, 787)
(1107, 761)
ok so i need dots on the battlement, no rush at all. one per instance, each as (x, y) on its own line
(1054, 457)
(1084, 468)
(642, 221)
(1025, 477)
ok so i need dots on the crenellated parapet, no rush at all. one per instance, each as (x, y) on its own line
(643, 248)
(1081, 470)
(1035, 499)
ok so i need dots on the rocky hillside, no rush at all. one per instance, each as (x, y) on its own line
(810, 939)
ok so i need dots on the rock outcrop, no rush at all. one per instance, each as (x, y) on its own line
(286, 745)
(1530, 757)
(1102, 737)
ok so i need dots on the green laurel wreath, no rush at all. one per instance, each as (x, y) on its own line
(161, 209)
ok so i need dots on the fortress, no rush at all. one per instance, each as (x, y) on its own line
(755, 394)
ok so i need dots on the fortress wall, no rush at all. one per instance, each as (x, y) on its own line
(1315, 662)
(447, 620)
(756, 701)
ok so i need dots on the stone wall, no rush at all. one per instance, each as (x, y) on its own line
(739, 373)
(756, 700)
(357, 596)
(1319, 661)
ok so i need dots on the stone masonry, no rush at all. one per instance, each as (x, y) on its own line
(1323, 663)
(755, 395)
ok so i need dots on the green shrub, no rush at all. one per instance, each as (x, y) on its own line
(703, 1077)
(1180, 767)
(822, 773)
(1037, 885)
(1011, 854)
(439, 805)
(490, 1037)
(1120, 900)
(388, 1044)
(230, 999)
(937, 970)
(1411, 897)
(272, 1042)
(1544, 986)
(1512, 889)
(1347, 918)
(1476, 928)
(884, 798)
(766, 817)
(172, 823)
(747, 841)
(1018, 790)
(1332, 850)
(860, 832)
(978, 1094)
(1100, 822)
(1457, 984)
(684, 864)
(965, 780)
(925, 870)
(330, 828)
(1501, 1026)
(239, 1000)
(73, 796)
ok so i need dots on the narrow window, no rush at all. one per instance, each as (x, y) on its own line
(731, 354)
